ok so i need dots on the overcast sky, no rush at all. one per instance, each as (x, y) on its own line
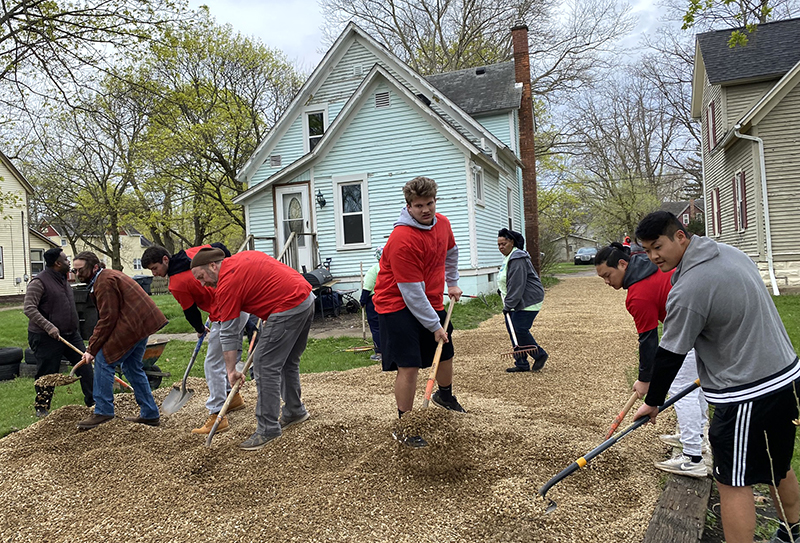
(293, 26)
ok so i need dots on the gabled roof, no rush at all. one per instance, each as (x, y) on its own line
(677, 208)
(42, 237)
(318, 77)
(376, 74)
(770, 52)
(481, 89)
(15, 172)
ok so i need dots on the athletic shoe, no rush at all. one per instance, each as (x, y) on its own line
(415, 442)
(516, 369)
(673, 440)
(376, 357)
(257, 441)
(291, 421)
(450, 404)
(683, 465)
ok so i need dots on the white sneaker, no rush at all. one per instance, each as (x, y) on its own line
(683, 465)
(673, 440)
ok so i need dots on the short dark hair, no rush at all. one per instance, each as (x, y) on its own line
(89, 257)
(51, 255)
(611, 255)
(659, 223)
(154, 255)
(419, 187)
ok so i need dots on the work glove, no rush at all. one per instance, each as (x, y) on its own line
(365, 295)
(53, 332)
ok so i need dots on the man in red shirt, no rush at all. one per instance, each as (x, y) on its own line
(420, 255)
(193, 298)
(256, 283)
(648, 288)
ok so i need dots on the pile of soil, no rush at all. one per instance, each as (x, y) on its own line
(341, 477)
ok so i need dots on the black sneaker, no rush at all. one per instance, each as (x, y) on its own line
(516, 369)
(539, 361)
(415, 442)
(450, 404)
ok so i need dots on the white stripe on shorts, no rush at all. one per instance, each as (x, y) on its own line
(741, 431)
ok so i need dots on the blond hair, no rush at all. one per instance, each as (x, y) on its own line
(419, 187)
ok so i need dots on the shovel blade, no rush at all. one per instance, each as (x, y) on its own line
(175, 400)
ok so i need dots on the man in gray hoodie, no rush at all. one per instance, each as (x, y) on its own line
(747, 366)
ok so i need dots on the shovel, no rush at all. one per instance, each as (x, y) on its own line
(584, 460)
(178, 397)
(71, 377)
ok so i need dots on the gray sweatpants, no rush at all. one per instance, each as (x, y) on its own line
(282, 339)
(692, 409)
(214, 366)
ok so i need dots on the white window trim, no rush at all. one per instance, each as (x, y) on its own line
(686, 219)
(319, 108)
(480, 188)
(510, 206)
(737, 182)
(137, 264)
(337, 181)
(39, 260)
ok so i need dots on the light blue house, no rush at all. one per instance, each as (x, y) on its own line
(332, 169)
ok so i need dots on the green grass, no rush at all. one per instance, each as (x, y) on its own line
(568, 267)
(13, 328)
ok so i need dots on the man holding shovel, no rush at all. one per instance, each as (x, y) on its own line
(50, 307)
(256, 283)
(748, 369)
(419, 257)
(127, 317)
(194, 297)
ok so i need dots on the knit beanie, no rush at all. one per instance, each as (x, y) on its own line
(206, 255)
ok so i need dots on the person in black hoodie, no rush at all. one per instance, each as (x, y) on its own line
(523, 294)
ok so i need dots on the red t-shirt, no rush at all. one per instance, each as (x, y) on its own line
(647, 300)
(256, 283)
(412, 255)
(188, 291)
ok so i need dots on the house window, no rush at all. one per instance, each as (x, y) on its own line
(739, 202)
(137, 264)
(63, 242)
(274, 161)
(316, 120)
(510, 206)
(477, 179)
(2, 265)
(382, 99)
(711, 122)
(37, 261)
(352, 210)
(685, 219)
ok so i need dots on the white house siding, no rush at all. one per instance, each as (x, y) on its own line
(739, 99)
(782, 148)
(391, 146)
(499, 125)
(14, 237)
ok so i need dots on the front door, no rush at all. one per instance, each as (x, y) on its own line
(293, 216)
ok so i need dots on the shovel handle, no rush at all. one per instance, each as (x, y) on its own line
(194, 356)
(235, 388)
(82, 362)
(436, 358)
(621, 415)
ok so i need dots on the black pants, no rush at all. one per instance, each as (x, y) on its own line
(49, 353)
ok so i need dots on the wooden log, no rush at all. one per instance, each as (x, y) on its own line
(680, 513)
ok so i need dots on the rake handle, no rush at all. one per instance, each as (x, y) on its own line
(82, 362)
(436, 357)
(618, 419)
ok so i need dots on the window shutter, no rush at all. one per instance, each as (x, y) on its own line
(708, 130)
(718, 210)
(735, 206)
(743, 186)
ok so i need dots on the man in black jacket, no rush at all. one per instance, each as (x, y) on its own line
(50, 308)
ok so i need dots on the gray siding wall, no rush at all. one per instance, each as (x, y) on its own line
(740, 157)
(740, 99)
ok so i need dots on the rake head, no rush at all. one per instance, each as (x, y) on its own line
(521, 352)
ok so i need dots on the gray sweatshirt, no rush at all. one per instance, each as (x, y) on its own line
(719, 305)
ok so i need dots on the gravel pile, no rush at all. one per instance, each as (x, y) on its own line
(341, 477)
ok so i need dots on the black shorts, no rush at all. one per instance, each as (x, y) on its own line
(405, 343)
(740, 446)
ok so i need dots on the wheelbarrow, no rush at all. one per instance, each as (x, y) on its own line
(153, 372)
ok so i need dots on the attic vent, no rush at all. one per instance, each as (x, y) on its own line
(274, 161)
(381, 99)
(480, 71)
(424, 99)
(358, 70)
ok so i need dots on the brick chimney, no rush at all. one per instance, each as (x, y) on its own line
(522, 73)
(692, 209)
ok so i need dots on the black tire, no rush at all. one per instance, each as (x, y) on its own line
(10, 356)
(9, 371)
(27, 370)
(155, 380)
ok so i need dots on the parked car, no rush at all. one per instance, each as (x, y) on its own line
(585, 255)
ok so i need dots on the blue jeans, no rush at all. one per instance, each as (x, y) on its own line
(131, 363)
(522, 321)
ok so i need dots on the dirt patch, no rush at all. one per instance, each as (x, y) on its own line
(341, 477)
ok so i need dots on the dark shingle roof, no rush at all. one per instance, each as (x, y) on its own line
(676, 208)
(493, 90)
(771, 51)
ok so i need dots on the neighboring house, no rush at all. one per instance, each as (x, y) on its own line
(132, 245)
(686, 211)
(567, 246)
(333, 167)
(21, 248)
(748, 100)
